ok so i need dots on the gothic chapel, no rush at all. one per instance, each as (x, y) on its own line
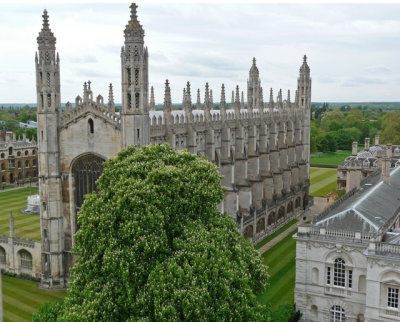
(262, 149)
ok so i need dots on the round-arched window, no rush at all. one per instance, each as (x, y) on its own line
(339, 273)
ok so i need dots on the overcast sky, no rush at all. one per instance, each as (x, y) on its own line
(353, 50)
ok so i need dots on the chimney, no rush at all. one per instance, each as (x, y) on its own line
(14, 138)
(24, 137)
(366, 145)
(389, 150)
(385, 175)
(354, 149)
(379, 156)
(376, 139)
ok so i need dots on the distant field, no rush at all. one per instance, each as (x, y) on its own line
(22, 298)
(322, 181)
(26, 226)
(281, 262)
(330, 158)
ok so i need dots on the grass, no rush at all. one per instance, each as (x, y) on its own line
(272, 236)
(281, 262)
(329, 158)
(26, 226)
(21, 298)
(322, 181)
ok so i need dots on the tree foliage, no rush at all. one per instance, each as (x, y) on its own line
(152, 245)
(391, 128)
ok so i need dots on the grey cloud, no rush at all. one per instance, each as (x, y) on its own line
(90, 73)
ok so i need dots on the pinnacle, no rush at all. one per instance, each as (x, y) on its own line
(45, 20)
(304, 59)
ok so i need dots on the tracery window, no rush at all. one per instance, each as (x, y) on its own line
(336, 314)
(86, 171)
(2, 256)
(137, 100)
(136, 76)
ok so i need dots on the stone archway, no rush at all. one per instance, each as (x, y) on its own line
(248, 232)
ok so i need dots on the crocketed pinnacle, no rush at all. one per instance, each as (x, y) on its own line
(134, 28)
(152, 101)
(254, 70)
(304, 69)
(167, 96)
(45, 35)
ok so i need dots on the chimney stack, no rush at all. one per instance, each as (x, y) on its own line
(389, 150)
(376, 139)
(385, 175)
(366, 145)
(354, 148)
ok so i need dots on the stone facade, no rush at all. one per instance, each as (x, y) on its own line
(20, 255)
(262, 149)
(348, 259)
(18, 159)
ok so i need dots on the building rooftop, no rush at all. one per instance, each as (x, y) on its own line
(368, 209)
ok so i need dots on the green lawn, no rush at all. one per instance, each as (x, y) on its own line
(281, 262)
(26, 226)
(330, 158)
(272, 236)
(322, 181)
(22, 298)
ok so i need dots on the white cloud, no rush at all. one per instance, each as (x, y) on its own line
(353, 49)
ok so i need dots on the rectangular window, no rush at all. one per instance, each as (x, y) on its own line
(328, 276)
(137, 99)
(350, 278)
(393, 297)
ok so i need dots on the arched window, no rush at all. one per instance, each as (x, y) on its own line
(248, 232)
(10, 150)
(3, 166)
(271, 218)
(19, 176)
(339, 273)
(260, 225)
(34, 173)
(3, 178)
(19, 164)
(26, 152)
(19, 153)
(25, 259)
(2, 155)
(91, 126)
(33, 152)
(2, 256)
(34, 161)
(315, 275)
(26, 163)
(336, 314)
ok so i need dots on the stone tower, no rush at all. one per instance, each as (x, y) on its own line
(50, 182)
(135, 84)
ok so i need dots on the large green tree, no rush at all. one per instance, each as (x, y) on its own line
(152, 245)
(391, 128)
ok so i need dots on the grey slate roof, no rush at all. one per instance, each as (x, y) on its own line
(368, 209)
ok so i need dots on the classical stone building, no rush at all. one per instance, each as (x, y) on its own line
(262, 149)
(348, 259)
(18, 159)
(364, 163)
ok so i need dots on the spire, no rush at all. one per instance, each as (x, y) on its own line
(280, 102)
(288, 104)
(152, 102)
(242, 101)
(134, 30)
(11, 225)
(237, 97)
(188, 95)
(167, 97)
(211, 100)
(207, 97)
(233, 99)
(296, 99)
(198, 102)
(111, 104)
(45, 20)
(184, 98)
(223, 101)
(271, 99)
(261, 99)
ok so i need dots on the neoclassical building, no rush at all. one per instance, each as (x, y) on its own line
(261, 149)
(348, 259)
